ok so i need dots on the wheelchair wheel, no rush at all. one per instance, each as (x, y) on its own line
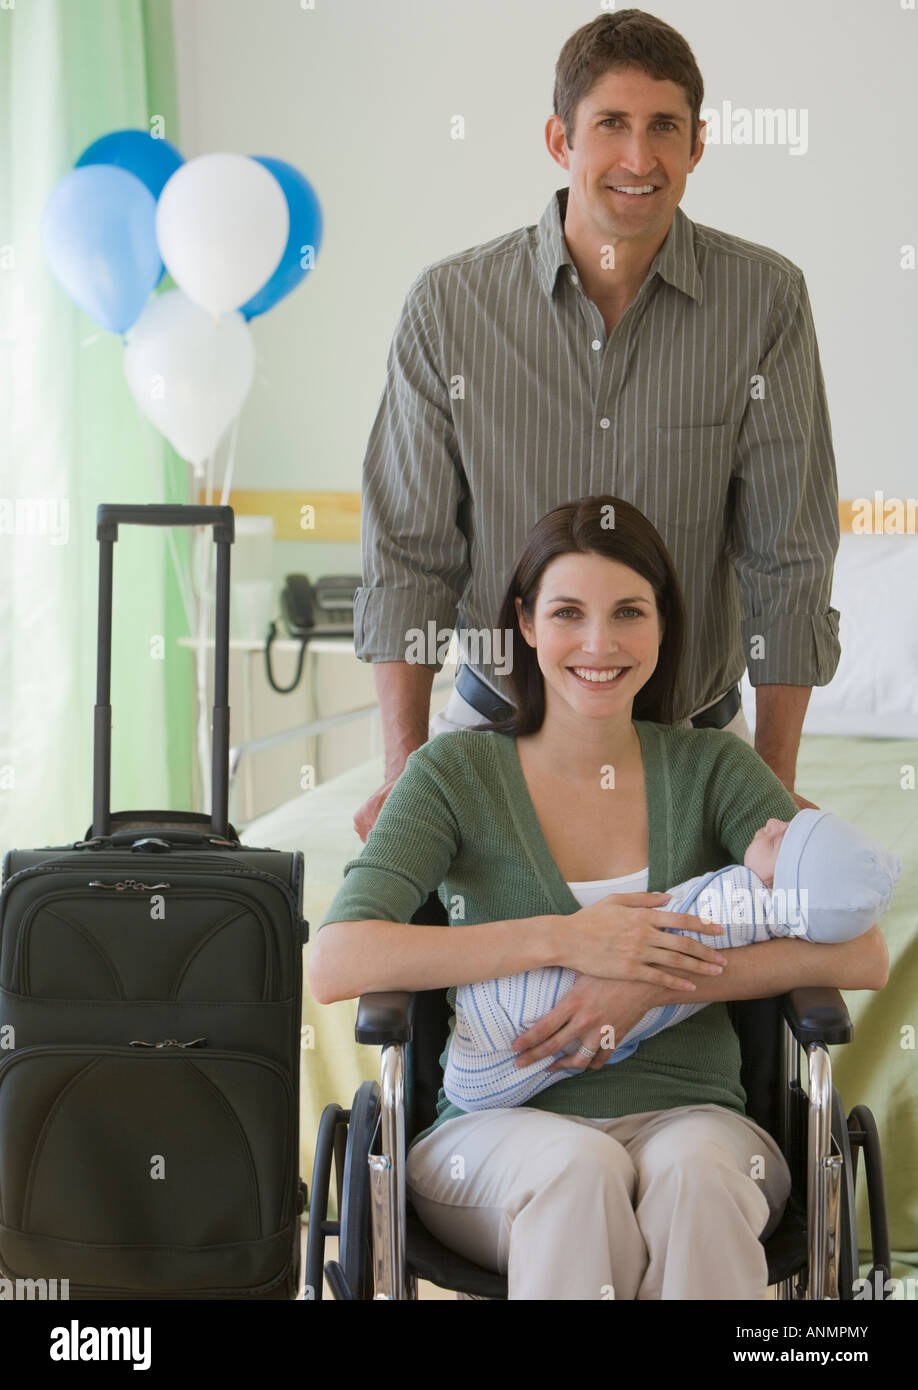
(355, 1244)
(330, 1143)
(864, 1135)
(847, 1210)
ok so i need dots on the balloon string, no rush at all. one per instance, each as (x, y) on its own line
(181, 574)
(207, 602)
(207, 596)
(231, 460)
(203, 537)
(185, 580)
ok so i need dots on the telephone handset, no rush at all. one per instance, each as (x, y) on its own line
(324, 609)
(298, 605)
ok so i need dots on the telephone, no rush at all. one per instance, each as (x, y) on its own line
(324, 609)
(328, 604)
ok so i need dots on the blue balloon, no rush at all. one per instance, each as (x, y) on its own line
(151, 160)
(305, 231)
(148, 159)
(98, 232)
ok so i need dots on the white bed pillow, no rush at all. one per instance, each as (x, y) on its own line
(874, 692)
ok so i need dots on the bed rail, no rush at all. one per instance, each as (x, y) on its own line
(238, 751)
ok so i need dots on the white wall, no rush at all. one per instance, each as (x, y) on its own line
(359, 95)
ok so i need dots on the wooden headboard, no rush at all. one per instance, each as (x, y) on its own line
(301, 516)
(335, 516)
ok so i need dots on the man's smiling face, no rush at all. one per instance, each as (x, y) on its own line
(631, 132)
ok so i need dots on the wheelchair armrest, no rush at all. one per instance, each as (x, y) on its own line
(817, 1013)
(385, 1017)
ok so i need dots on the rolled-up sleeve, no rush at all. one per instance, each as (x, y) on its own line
(783, 533)
(415, 551)
(408, 852)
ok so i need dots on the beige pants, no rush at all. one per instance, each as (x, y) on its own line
(668, 1204)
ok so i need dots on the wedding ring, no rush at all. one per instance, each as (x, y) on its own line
(585, 1052)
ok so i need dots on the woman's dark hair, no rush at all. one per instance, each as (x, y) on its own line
(613, 528)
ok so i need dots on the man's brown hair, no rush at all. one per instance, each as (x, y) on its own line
(633, 39)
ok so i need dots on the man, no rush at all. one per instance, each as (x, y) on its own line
(615, 348)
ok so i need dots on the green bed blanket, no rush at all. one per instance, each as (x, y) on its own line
(871, 784)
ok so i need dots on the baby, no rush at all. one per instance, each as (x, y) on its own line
(815, 877)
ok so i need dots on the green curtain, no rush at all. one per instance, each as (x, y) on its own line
(70, 438)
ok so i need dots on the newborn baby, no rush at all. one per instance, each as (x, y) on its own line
(815, 877)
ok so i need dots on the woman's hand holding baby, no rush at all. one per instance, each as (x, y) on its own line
(621, 952)
(621, 937)
(591, 1012)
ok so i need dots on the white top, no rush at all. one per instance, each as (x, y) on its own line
(591, 890)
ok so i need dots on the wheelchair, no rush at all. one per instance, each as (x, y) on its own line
(383, 1247)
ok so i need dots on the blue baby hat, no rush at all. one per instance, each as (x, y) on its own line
(848, 877)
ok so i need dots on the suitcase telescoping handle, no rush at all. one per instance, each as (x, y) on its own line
(108, 518)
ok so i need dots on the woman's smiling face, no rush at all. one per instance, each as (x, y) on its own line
(593, 616)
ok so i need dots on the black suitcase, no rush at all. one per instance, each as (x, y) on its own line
(150, 999)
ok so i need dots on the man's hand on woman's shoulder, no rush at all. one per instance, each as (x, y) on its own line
(365, 817)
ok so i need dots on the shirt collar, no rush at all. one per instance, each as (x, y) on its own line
(674, 262)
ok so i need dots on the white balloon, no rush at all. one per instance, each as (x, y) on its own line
(189, 372)
(222, 225)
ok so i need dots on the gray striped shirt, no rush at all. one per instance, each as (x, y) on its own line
(705, 408)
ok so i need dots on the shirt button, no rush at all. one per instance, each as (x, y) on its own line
(604, 423)
(574, 280)
(596, 344)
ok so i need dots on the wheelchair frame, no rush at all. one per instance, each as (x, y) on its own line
(368, 1144)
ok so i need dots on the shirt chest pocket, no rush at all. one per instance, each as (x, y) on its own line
(685, 476)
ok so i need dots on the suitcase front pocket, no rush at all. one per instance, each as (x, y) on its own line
(173, 944)
(118, 1150)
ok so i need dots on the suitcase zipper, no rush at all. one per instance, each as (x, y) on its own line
(151, 834)
(131, 883)
(99, 862)
(156, 865)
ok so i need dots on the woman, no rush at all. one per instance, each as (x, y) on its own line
(643, 1180)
